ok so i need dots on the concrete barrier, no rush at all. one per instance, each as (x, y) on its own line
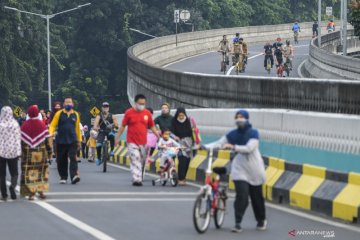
(145, 75)
(327, 62)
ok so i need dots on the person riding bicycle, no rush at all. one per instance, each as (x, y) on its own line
(245, 52)
(315, 29)
(224, 47)
(268, 51)
(277, 44)
(236, 38)
(296, 29)
(236, 51)
(167, 146)
(105, 122)
(279, 60)
(289, 53)
(330, 26)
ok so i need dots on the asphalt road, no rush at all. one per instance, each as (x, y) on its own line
(106, 206)
(209, 63)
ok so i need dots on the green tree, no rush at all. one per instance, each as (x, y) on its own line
(355, 16)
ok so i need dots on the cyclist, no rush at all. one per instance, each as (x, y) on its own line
(296, 30)
(224, 46)
(268, 51)
(330, 26)
(105, 122)
(315, 29)
(244, 54)
(279, 60)
(289, 53)
(236, 51)
(236, 38)
(277, 44)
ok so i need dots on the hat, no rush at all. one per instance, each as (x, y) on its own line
(105, 104)
(243, 113)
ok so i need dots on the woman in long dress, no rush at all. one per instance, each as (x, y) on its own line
(36, 150)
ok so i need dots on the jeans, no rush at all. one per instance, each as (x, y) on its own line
(65, 151)
(13, 169)
(243, 190)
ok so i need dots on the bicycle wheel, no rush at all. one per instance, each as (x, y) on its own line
(219, 213)
(105, 156)
(201, 213)
(174, 179)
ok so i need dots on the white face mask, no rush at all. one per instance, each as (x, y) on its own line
(181, 120)
(139, 107)
(240, 122)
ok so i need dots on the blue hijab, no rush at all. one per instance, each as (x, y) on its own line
(241, 136)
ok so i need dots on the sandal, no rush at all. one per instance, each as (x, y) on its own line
(32, 197)
(42, 195)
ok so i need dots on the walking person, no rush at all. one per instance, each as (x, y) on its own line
(247, 169)
(36, 150)
(165, 119)
(68, 141)
(138, 120)
(182, 132)
(10, 151)
(86, 136)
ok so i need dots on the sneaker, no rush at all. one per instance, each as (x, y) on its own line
(62, 181)
(12, 193)
(237, 229)
(75, 179)
(261, 225)
(137, 184)
(98, 162)
(90, 160)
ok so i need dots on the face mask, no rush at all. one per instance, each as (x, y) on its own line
(241, 122)
(182, 120)
(68, 107)
(164, 111)
(139, 107)
(105, 110)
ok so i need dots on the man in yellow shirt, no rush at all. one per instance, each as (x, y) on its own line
(68, 140)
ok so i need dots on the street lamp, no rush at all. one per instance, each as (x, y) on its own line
(138, 31)
(48, 17)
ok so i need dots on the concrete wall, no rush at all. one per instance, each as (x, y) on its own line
(325, 131)
(145, 75)
(327, 62)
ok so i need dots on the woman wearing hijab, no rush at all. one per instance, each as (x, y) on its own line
(10, 150)
(36, 151)
(181, 129)
(247, 169)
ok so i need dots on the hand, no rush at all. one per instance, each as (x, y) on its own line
(228, 146)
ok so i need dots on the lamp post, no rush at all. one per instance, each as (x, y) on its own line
(48, 17)
(319, 21)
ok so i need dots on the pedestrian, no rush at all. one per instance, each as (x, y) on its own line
(182, 132)
(91, 145)
(247, 169)
(138, 120)
(165, 119)
(56, 107)
(151, 138)
(36, 151)
(68, 141)
(10, 151)
(84, 148)
(22, 118)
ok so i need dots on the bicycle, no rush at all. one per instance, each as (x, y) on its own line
(296, 37)
(287, 66)
(105, 153)
(223, 61)
(211, 200)
(268, 65)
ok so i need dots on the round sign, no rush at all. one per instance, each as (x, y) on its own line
(184, 15)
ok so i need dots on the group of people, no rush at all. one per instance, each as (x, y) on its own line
(238, 49)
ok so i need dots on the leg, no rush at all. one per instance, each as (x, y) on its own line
(272, 60)
(83, 147)
(241, 200)
(183, 166)
(73, 163)
(111, 139)
(3, 178)
(13, 169)
(265, 61)
(135, 162)
(257, 202)
(86, 151)
(62, 160)
(99, 143)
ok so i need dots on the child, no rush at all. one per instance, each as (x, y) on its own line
(91, 144)
(167, 147)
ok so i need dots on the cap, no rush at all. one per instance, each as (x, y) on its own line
(105, 104)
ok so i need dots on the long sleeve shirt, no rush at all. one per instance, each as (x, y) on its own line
(67, 124)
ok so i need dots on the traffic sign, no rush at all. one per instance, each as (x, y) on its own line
(94, 111)
(329, 11)
(17, 111)
(176, 16)
(184, 15)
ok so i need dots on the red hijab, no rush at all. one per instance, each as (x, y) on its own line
(34, 131)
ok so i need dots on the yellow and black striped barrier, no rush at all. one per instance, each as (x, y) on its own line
(304, 186)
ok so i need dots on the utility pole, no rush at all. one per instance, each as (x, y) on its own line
(345, 8)
(319, 21)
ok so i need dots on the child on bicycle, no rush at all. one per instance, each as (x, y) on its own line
(167, 148)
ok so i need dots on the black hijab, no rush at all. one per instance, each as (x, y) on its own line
(181, 130)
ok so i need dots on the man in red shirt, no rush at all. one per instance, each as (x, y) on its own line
(138, 119)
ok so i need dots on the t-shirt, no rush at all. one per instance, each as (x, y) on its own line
(268, 49)
(138, 124)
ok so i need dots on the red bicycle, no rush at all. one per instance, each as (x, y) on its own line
(211, 200)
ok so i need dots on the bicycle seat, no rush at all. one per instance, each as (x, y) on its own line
(220, 170)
